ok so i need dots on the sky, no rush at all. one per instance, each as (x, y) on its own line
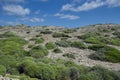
(66, 13)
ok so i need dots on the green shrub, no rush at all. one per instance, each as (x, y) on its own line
(101, 73)
(78, 44)
(64, 38)
(8, 61)
(46, 72)
(50, 45)
(63, 43)
(38, 51)
(56, 35)
(39, 35)
(88, 35)
(116, 33)
(72, 56)
(30, 46)
(39, 40)
(33, 39)
(2, 70)
(113, 41)
(46, 32)
(12, 46)
(69, 30)
(93, 40)
(7, 35)
(57, 50)
(96, 46)
(107, 53)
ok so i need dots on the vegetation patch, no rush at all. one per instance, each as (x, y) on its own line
(7, 35)
(57, 50)
(96, 46)
(46, 31)
(63, 43)
(38, 51)
(72, 56)
(57, 35)
(50, 45)
(69, 30)
(107, 53)
(78, 44)
(39, 40)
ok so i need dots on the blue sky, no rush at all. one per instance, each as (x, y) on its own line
(66, 13)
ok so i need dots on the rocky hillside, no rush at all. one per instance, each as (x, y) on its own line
(88, 46)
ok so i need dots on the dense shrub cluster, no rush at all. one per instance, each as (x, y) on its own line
(7, 34)
(46, 31)
(38, 51)
(65, 70)
(95, 38)
(57, 50)
(96, 46)
(76, 44)
(39, 40)
(50, 45)
(69, 30)
(107, 53)
(63, 43)
(56, 35)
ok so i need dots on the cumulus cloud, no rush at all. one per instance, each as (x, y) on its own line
(16, 10)
(67, 16)
(89, 5)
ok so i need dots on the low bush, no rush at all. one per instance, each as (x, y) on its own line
(78, 44)
(39, 35)
(7, 35)
(46, 32)
(30, 46)
(63, 43)
(57, 35)
(38, 51)
(6, 46)
(92, 40)
(107, 53)
(57, 50)
(69, 30)
(39, 40)
(50, 45)
(96, 46)
(113, 41)
(116, 33)
(88, 35)
(72, 56)
(2, 70)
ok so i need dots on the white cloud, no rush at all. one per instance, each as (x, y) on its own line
(89, 5)
(84, 7)
(16, 10)
(37, 20)
(34, 19)
(67, 16)
(113, 3)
